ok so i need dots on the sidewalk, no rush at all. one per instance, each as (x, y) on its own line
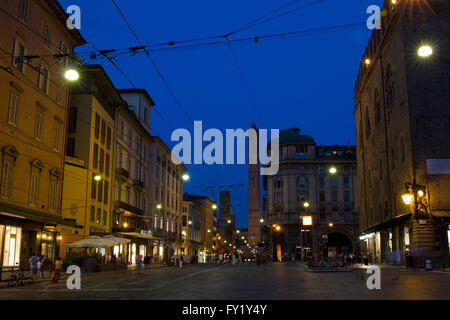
(64, 275)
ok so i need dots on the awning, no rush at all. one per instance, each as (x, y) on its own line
(139, 235)
(440, 213)
(388, 224)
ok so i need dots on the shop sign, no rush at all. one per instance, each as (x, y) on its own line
(146, 233)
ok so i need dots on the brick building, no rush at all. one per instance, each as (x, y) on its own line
(402, 114)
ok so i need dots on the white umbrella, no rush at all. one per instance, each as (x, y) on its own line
(116, 240)
(92, 242)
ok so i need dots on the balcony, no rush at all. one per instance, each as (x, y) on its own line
(122, 174)
(120, 205)
(138, 184)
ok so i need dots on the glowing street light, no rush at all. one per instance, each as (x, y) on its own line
(159, 206)
(331, 224)
(228, 221)
(333, 170)
(185, 177)
(407, 198)
(214, 206)
(278, 228)
(306, 204)
(425, 51)
(97, 177)
(72, 75)
(261, 220)
(367, 62)
(307, 220)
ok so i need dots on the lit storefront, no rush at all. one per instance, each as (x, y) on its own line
(10, 242)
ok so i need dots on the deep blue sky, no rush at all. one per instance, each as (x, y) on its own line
(305, 81)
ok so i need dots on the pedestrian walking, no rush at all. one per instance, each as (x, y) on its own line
(40, 268)
(221, 259)
(34, 266)
(139, 261)
(181, 261)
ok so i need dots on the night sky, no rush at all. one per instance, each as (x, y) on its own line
(305, 81)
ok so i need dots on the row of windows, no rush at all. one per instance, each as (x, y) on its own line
(100, 217)
(102, 131)
(101, 160)
(99, 189)
(14, 108)
(303, 195)
(302, 182)
(34, 182)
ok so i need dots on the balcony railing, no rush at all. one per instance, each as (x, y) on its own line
(138, 184)
(122, 174)
(127, 207)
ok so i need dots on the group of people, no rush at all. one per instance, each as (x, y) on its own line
(39, 264)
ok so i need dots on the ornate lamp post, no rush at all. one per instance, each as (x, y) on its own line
(416, 195)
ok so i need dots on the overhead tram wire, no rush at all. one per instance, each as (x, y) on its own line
(276, 36)
(241, 72)
(153, 63)
(82, 104)
(157, 69)
(258, 21)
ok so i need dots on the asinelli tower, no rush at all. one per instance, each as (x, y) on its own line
(254, 204)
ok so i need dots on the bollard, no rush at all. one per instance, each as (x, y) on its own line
(428, 265)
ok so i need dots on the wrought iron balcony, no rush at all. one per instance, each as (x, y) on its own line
(126, 207)
(122, 174)
(138, 184)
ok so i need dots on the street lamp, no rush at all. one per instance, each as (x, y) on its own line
(415, 194)
(159, 206)
(306, 204)
(185, 177)
(333, 170)
(97, 177)
(331, 224)
(214, 206)
(261, 220)
(228, 221)
(425, 51)
(72, 75)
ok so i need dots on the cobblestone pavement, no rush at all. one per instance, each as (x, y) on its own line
(280, 281)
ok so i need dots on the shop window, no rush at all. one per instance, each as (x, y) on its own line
(11, 249)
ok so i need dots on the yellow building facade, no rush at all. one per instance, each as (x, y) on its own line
(33, 119)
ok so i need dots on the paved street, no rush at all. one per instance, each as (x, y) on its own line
(278, 281)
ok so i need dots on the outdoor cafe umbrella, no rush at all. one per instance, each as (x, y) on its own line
(117, 240)
(92, 242)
